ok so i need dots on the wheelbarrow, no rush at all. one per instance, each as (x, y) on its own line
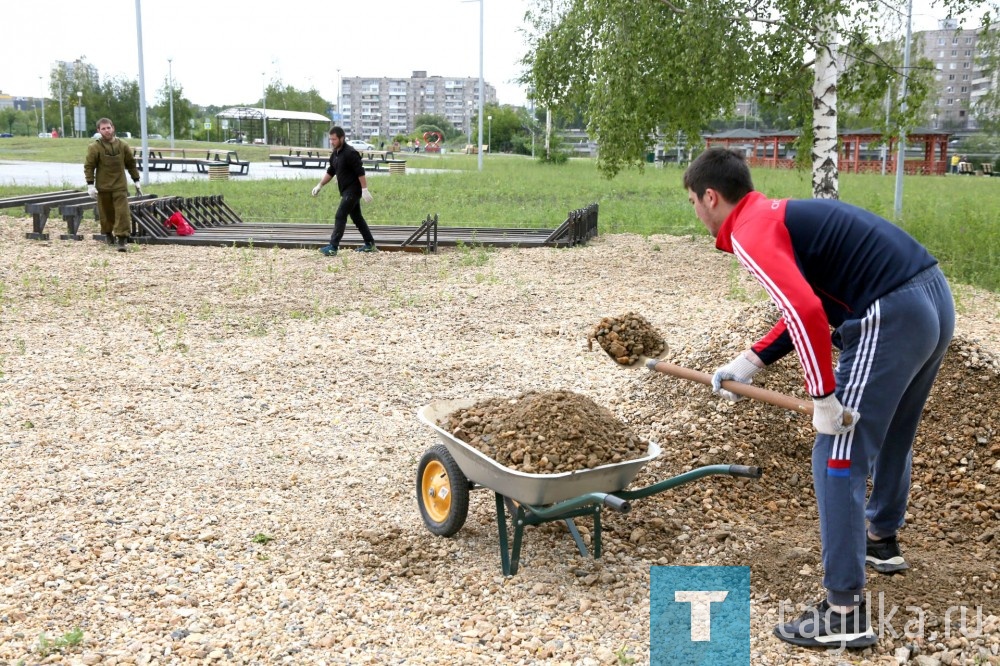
(449, 470)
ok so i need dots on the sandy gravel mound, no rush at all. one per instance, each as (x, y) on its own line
(546, 432)
(209, 456)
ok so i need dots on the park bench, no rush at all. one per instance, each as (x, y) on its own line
(305, 161)
(987, 168)
(17, 202)
(72, 213)
(164, 159)
(242, 167)
(309, 158)
(376, 155)
(71, 209)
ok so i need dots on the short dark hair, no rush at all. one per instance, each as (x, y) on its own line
(338, 130)
(721, 169)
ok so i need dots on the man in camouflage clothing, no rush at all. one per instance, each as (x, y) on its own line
(104, 168)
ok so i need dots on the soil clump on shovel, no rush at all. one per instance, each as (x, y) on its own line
(545, 432)
(628, 338)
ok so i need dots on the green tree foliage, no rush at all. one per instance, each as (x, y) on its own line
(7, 117)
(872, 74)
(159, 115)
(289, 98)
(117, 99)
(648, 68)
(506, 129)
(430, 122)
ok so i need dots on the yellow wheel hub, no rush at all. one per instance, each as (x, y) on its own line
(436, 491)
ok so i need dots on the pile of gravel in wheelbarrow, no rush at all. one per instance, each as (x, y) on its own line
(545, 432)
(627, 337)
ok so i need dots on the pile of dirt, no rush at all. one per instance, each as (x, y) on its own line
(627, 337)
(545, 432)
(953, 522)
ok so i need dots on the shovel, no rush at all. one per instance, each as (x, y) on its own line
(739, 388)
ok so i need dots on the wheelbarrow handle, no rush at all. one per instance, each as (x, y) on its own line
(739, 388)
(617, 504)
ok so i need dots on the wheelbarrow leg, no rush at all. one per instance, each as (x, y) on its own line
(597, 533)
(575, 533)
(509, 567)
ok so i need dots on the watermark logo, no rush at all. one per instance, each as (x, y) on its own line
(699, 615)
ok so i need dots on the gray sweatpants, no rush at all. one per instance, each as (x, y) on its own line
(888, 362)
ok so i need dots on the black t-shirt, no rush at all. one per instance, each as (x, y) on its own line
(347, 169)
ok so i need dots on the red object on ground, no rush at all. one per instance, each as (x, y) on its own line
(178, 222)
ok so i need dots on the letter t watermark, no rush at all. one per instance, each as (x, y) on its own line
(701, 610)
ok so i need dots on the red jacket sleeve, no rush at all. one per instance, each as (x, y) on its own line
(763, 246)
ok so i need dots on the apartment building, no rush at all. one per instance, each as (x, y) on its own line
(385, 107)
(959, 79)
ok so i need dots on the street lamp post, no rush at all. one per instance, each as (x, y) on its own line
(468, 119)
(170, 82)
(479, 150)
(263, 102)
(42, 125)
(62, 123)
(76, 121)
(489, 140)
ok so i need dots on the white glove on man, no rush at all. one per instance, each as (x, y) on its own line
(832, 418)
(92, 191)
(740, 369)
(317, 189)
(138, 191)
(366, 195)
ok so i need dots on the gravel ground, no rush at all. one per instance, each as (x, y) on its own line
(210, 456)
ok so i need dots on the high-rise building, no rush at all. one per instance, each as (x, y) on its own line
(385, 107)
(960, 82)
(78, 72)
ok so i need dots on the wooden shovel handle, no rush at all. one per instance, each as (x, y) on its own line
(739, 388)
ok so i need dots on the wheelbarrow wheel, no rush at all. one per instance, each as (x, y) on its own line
(442, 492)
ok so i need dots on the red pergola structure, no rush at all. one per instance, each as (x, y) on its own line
(854, 144)
(775, 150)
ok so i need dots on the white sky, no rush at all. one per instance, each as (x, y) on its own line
(223, 50)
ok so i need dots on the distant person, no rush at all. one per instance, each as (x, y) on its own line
(955, 159)
(108, 158)
(346, 167)
(829, 265)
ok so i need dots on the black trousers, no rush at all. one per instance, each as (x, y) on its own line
(350, 204)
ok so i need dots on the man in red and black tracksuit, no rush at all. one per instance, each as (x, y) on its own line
(827, 264)
(346, 166)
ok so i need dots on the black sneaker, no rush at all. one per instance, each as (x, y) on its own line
(821, 626)
(109, 239)
(329, 250)
(122, 243)
(884, 556)
(367, 247)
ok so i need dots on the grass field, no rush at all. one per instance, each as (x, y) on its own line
(954, 216)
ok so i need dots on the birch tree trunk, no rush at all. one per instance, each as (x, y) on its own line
(824, 149)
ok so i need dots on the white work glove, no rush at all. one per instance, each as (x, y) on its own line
(740, 369)
(138, 191)
(317, 189)
(829, 416)
(92, 191)
(366, 195)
